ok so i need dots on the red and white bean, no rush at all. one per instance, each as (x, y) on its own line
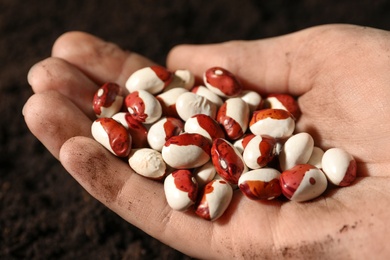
(277, 123)
(205, 173)
(222, 82)
(303, 182)
(185, 134)
(143, 106)
(168, 101)
(135, 128)
(233, 115)
(283, 101)
(162, 130)
(215, 199)
(187, 78)
(112, 135)
(204, 125)
(107, 100)
(181, 189)
(227, 160)
(152, 79)
(252, 98)
(339, 167)
(241, 143)
(260, 184)
(186, 151)
(316, 157)
(259, 151)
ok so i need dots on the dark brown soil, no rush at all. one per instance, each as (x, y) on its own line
(44, 213)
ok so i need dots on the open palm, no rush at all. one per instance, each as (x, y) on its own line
(341, 75)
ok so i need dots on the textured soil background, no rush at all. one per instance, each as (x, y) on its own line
(44, 213)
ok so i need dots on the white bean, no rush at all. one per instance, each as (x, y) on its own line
(296, 150)
(148, 163)
(190, 104)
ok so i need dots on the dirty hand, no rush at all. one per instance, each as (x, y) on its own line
(341, 75)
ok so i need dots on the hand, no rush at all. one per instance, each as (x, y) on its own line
(341, 75)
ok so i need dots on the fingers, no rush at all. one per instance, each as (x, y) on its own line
(263, 65)
(57, 74)
(136, 199)
(287, 64)
(101, 61)
(80, 64)
(53, 119)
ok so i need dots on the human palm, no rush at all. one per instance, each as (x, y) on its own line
(340, 74)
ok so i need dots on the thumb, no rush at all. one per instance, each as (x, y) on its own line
(282, 64)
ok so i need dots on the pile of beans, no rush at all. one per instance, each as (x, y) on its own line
(204, 141)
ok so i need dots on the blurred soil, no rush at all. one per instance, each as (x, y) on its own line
(44, 213)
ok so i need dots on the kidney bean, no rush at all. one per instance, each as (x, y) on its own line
(339, 167)
(136, 129)
(259, 151)
(107, 100)
(222, 82)
(186, 151)
(190, 104)
(233, 115)
(181, 79)
(204, 125)
(316, 157)
(215, 199)
(296, 150)
(152, 79)
(260, 184)
(143, 106)
(205, 173)
(277, 123)
(283, 101)
(148, 163)
(162, 130)
(180, 189)
(205, 92)
(303, 182)
(252, 98)
(168, 101)
(227, 160)
(241, 143)
(112, 135)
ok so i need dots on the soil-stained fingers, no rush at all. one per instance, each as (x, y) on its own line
(100, 60)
